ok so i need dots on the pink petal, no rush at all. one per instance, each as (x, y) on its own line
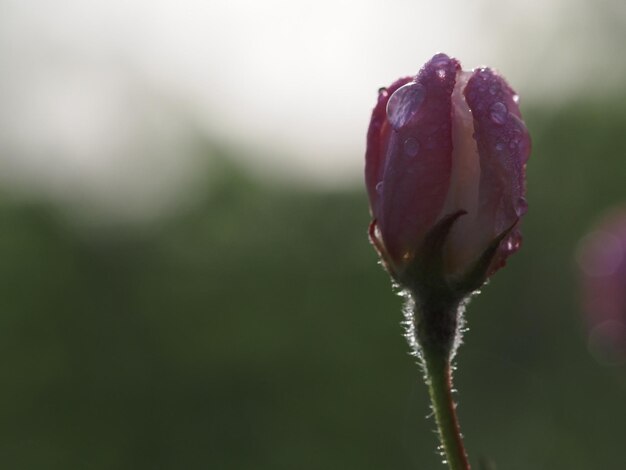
(465, 242)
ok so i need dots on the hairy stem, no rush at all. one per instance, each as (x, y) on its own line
(439, 380)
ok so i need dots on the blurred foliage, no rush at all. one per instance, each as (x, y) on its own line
(255, 330)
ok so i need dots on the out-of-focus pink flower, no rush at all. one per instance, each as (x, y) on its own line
(602, 261)
(446, 157)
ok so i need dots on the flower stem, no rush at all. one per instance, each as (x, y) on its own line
(439, 378)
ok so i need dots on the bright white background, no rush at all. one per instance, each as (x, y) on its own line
(99, 99)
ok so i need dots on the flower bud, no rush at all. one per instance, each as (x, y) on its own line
(445, 173)
(602, 261)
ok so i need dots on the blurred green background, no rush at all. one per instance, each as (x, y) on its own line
(186, 281)
(253, 329)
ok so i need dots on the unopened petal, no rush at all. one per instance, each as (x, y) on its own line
(463, 243)
(416, 174)
(503, 146)
(377, 138)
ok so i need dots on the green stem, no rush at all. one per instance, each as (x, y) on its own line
(439, 377)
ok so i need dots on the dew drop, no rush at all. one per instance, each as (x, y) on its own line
(379, 188)
(521, 206)
(440, 62)
(411, 147)
(404, 103)
(498, 113)
(382, 91)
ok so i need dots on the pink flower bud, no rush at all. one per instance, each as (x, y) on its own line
(447, 144)
(602, 260)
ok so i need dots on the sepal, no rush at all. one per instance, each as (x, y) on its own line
(477, 274)
(426, 270)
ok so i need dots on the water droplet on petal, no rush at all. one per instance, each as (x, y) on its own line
(404, 103)
(498, 113)
(441, 73)
(521, 207)
(379, 188)
(382, 91)
(411, 147)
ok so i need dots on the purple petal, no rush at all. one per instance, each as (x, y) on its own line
(504, 146)
(418, 156)
(377, 138)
